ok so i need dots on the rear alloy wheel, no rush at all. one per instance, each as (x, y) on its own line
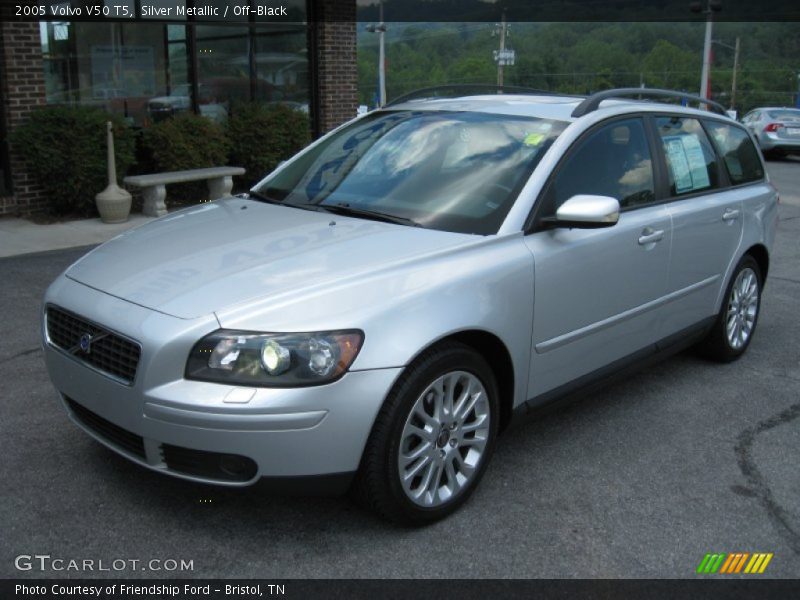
(738, 315)
(433, 437)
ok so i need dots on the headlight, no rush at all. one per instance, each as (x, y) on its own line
(273, 359)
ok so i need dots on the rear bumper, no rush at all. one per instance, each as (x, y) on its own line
(770, 142)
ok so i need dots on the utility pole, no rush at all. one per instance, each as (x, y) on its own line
(500, 62)
(735, 49)
(502, 57)
(797, 101)
(735, 70)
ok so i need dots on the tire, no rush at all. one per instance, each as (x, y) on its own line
(379, 484)
(723, 343)
(774, 154)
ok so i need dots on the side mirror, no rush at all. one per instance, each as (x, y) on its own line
(586, 211)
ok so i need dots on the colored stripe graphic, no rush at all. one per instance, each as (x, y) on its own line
(710, 563)
(767, 558)
(727, 564)
(734, 562)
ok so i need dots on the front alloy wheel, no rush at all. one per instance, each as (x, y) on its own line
(433, 437)
(444, 439)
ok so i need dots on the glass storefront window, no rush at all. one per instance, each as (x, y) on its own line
(281, 64)
(143, 69)
(114, 66)
(223, 69)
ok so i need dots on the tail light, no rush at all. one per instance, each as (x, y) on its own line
(772, 127)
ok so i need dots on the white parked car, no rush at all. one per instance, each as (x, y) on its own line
(777, 130)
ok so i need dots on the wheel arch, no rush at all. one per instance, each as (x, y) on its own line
(761, 255)
(495, 352)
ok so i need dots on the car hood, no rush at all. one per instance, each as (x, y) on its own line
(202, 259)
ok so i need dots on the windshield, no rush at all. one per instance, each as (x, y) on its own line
(452, 171)
(784, 115)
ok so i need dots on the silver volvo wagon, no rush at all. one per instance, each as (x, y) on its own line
(380, 307)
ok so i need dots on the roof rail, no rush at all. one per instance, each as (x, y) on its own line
(592, 103)
(434, 92)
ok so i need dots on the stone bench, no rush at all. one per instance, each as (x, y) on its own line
(154, 191)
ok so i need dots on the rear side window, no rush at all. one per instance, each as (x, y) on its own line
(786, 114)
(738, 152)
(691, 161)
(613, 161)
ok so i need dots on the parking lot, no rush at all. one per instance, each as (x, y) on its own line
(641, 479)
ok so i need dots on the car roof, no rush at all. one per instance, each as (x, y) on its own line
(542, 106)
(794, 108)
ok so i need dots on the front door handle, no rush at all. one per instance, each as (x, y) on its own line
(651, 236)
(730, 214)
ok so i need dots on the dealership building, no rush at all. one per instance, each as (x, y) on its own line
(146, 68)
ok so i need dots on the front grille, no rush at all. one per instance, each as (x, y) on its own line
(107, 351)
(210, 465)
(115, 435)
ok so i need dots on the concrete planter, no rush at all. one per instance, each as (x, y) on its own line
(113, 203)
(113, 207)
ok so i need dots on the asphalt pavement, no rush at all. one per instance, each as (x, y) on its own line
(641, 479)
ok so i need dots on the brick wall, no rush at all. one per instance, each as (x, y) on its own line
(22, 81)
(335, 31)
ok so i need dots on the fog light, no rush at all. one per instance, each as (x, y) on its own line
(239, 467)
(275, 358)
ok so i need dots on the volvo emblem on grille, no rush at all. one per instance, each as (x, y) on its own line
(86, 343)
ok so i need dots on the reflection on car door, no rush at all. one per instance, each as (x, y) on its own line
(598, 292)
(706, 221)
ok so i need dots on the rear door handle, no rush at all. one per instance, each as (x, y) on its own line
(730, 214)
(651, 236)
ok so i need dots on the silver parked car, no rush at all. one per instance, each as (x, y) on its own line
(378, 309)
(776, 129)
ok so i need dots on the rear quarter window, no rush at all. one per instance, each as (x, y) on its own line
(691, 161)
(737, 151)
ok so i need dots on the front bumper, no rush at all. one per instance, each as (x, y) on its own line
(203, 431)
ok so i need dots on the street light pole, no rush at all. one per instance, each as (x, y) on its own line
(711, 6)
(381, 60)
(380, 29)
(704, 91)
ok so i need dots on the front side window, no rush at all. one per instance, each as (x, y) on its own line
(453, 171)
(691, 162)
(614, 161)
(738, 152)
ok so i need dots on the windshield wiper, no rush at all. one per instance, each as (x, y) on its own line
(268, 199)
(263, 197)
(346, 209)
